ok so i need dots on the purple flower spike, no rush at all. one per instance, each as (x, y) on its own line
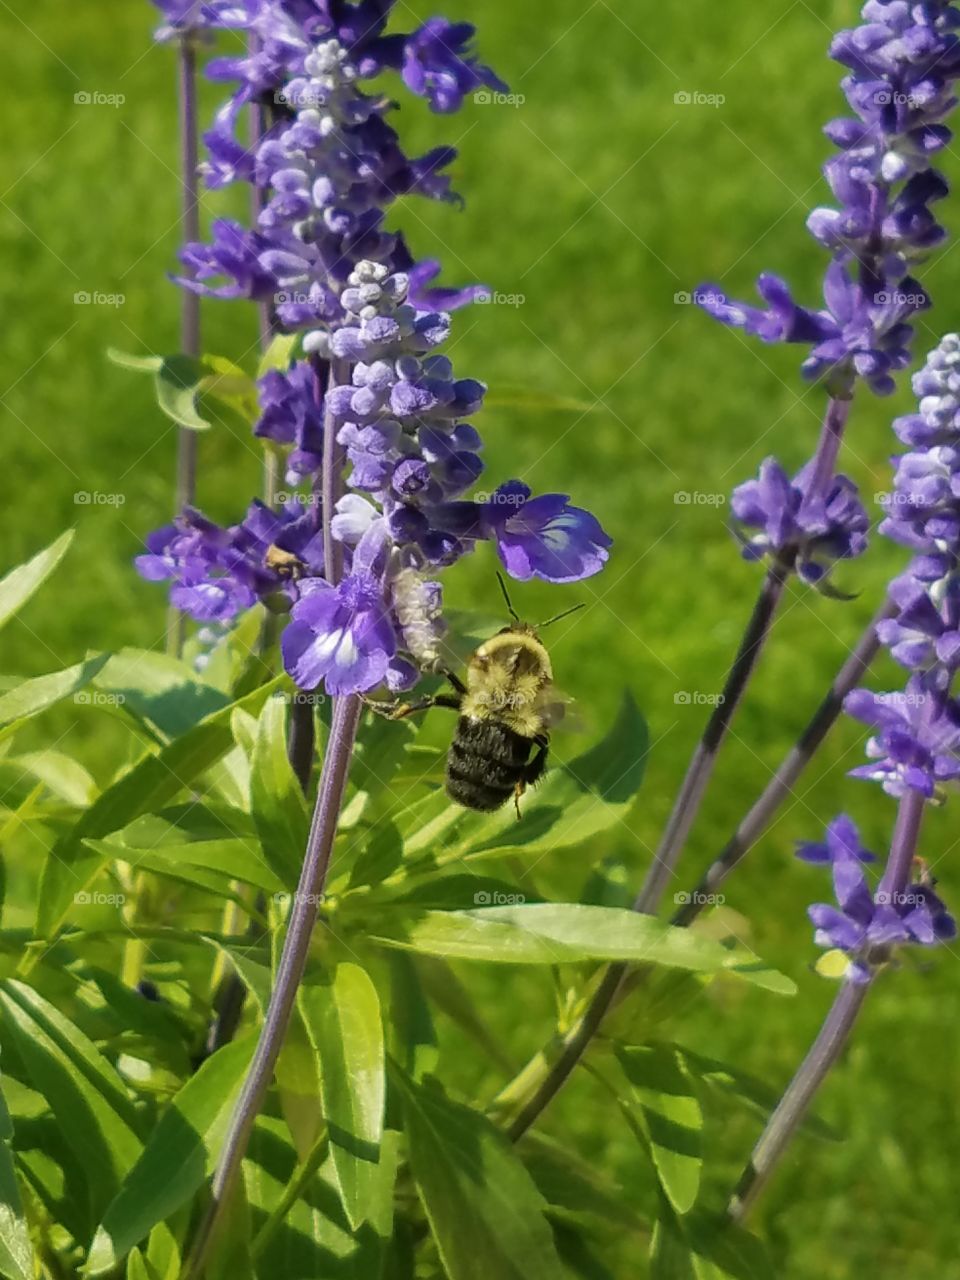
(864, 925)
(904, 62)
(917, 743)
(543, 537)
(788, 518)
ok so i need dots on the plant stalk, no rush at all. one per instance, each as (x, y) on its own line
(186, 476)
(293, 961)
(833, 1036)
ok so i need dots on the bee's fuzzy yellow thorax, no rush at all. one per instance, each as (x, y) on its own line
(506, 679)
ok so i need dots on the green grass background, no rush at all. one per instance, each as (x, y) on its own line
(598, 200)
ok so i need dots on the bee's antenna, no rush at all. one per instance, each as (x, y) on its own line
(503, 587)
(560, 616)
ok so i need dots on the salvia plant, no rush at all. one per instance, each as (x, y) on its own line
(224, 1035)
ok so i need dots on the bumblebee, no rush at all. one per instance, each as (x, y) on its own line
(507, 706)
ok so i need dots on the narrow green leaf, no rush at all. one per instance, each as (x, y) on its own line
(276, 799)
(161, 693)
(576, 1188)
(557, 933)
(151, 783)
(233, 859)
(17, 1260)
(140, 364)
(671, 1118)
(756, 1095)
(180, 1155)
(36, 695)
(343, 1022)
(61, 774)
(485, 1212)
(83, 1091)
(20, 583)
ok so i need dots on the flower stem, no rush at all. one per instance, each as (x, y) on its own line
(833, 1036)
(186, 478)
(828, 448)
(293, 960)
(785, 779)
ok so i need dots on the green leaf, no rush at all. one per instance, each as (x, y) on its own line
(705, 1246)
(757, 1096)
(558, 933)
(36, 695)
(65, 777)
(343, 1022)
(182, 379)
(17, 1260)
(485, 1212)
(20, 583)
(413, 1039)
(671, 1118)
(575, 1188)
(177, 1160)
(161, 693)
(276, 800)
(232, 859)
(152, 782)
(83, 1091)
(279, 353)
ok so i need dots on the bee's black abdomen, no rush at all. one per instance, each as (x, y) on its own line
(486, 762)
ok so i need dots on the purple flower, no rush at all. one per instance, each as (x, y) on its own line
(344, 637)
(292, 416)
(438, 65)
(864, 925)
(543, 537)
(788, 518)
(903, 61)
(917, 743)
(926, 630)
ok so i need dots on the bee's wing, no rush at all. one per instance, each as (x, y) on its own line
(559, 712)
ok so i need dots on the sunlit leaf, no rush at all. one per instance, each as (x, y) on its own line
(671, 1118)
(20, 583)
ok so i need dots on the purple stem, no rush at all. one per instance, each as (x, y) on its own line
(833, 1036)
(186, 478)
(293, 960)
(828, 448)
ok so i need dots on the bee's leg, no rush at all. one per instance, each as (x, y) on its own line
(533, 772)
(400, 710)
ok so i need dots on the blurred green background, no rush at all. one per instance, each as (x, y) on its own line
(601, 200)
